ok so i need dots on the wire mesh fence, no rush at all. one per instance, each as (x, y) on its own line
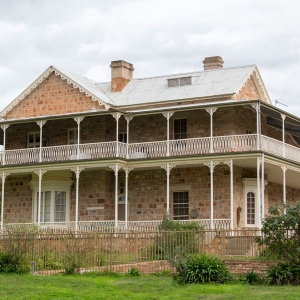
(118, 250)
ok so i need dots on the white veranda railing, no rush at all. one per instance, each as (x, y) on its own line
(193, 146)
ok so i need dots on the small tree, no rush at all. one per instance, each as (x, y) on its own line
(281, 232)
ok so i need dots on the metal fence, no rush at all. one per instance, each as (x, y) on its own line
(120, 250)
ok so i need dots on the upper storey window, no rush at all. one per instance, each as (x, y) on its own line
(33, 140)
(72, 136)
(180, 129)
(179, 81)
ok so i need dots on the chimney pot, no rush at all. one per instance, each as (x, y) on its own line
(213, 62)
(121, 74)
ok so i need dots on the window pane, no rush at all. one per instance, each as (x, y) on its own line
(250, 208)
(180, 205)
(60, 207)
(180, 128)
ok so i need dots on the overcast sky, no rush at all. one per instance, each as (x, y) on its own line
(157, 37)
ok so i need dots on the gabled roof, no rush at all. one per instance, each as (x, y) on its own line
(85, 85)
(143, 91)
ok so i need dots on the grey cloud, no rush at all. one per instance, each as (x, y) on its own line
(158, 37)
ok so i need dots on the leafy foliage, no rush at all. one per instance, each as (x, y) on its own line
(283, 273)
(252, 278)
(76, 252)
(174, 241)
(281, 232)
(16, 249)
(134, 272)
(202, 268)
(168, 225)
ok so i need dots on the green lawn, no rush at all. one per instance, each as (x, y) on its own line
(125, 287)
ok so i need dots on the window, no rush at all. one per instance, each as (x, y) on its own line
(250, 208)
(55, 198)
(174, 82)
(53, 206)
(248, 131)
(122, 137)
(180, 128)
(181, 205)
(33, 140)
(72, 136)
(251, 214)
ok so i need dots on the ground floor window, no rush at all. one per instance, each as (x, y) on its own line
(55, 197)
(53, 206)
(181, 205)
(250, 208)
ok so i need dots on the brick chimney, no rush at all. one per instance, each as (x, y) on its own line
(121, 74)
(213, 62)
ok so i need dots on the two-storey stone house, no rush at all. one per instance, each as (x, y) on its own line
(207, 146)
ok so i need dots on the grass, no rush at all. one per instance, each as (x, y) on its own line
(146, 287)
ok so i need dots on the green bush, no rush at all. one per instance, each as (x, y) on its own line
(202, 268)
(283, 273)
(134, 272)
(5, 263)
(169, 225)
(252, 278)
(281, 232)
(174, 241)
(17, 249)
(76, 252)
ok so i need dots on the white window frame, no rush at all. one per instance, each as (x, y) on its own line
(51, 186)
(35, 144)
(250, 185)
(73, 141)
(186, 216)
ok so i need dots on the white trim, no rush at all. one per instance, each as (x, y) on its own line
(75, 140)
(250, 185)
(52, 186)
(37, 144)
(40, 79)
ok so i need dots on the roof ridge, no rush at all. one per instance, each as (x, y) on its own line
(194, 72)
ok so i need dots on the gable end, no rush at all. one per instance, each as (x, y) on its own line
(40, 80)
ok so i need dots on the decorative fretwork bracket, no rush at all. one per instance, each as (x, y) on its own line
(211, 110)
(78, 120)
(40, 173)
(77, 171)
(116, 168)
(168, 168)
(212, 164)
(168, 114)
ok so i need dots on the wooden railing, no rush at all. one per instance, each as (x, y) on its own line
(194, 146)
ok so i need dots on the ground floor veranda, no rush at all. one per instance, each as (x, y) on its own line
(226, 191)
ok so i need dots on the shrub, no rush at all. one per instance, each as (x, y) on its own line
(174, 241)
(169, 225)
(252, 278)
(17, 249)
(5, 263)
(282, 273)
(202, 268)
(134, 272)
(76, 252)
(281, 232)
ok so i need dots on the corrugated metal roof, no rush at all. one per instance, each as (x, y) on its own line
(220, 82)
(87, 84)
(204, 84)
